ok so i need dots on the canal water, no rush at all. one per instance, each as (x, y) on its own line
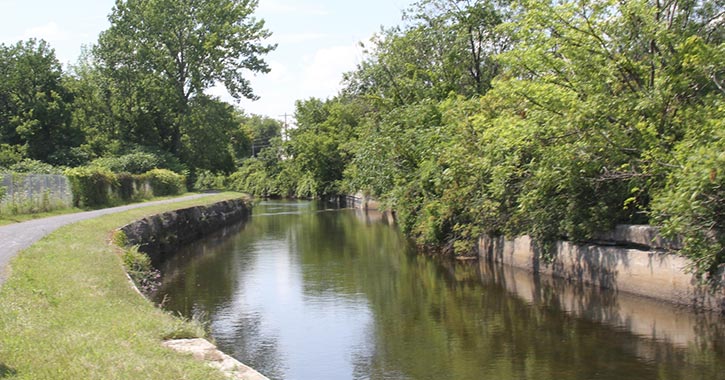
(302, 292)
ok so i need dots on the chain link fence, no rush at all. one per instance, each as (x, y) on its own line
(29, 193)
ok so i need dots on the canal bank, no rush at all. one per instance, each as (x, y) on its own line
(160, 235)
(67, 310)
(632, 258)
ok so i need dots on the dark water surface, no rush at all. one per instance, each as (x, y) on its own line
(303, 293)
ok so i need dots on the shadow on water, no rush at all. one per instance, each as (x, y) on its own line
(6, 372)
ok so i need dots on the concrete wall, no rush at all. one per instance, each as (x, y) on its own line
(362, 202)
(630, 259)
(158, 235)
(27, 192)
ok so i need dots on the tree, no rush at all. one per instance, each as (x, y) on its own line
(207, 139)
(260, 130)
(448, 46)
(34, 103)
(319, 146)
(170, 51)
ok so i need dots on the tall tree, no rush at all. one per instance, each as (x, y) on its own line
(176, 49)
(34, 104)
(447, 46)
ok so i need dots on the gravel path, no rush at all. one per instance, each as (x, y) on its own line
(16, 237)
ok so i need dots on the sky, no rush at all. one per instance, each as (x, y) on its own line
(318, 40)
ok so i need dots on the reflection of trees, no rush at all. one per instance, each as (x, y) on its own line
(436, 319)
(197, 278)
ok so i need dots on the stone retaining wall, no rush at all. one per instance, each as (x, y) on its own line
(157, 235)
(631, 259)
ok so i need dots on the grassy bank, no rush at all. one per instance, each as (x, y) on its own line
(10, 218)
(69, 312)
(6, 219)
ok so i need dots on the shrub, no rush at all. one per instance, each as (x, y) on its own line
(133, 187)
(139, 268)
(253, 179)
(29, 165)
(91, 186)
(207, 180)
(139, 161)
(134, 163)
(166, 182)
(11, 154)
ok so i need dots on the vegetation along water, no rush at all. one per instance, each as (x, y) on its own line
(302, 291)
(553, 119)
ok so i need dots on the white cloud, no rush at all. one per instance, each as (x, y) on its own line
(275, 6)
(296, 38)
(322, 75)
(50, 32)
(279, 72)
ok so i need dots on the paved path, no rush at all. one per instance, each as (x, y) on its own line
(16, 237)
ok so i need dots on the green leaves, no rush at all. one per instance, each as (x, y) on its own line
(34, 104)
(189, 44)
(159, 56)
(597, 111)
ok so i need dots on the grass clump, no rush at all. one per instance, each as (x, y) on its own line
(68, 311)
(142, 272)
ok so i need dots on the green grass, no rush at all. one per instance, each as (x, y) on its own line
(68, 311)
(8, 218)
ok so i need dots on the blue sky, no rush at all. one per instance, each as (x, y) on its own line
(318, 40)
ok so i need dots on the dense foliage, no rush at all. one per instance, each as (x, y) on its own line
(91, 186)
(136, 100)
(35, 106)
(554, 119)
(165, 182)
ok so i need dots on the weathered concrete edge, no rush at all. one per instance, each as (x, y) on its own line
(158, 233)
(363, 202)
(650, 273)
(202, 349)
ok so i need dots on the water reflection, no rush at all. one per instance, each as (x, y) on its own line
(299, 292)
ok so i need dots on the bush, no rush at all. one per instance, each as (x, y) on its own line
(207, 180)
(139, 161)
(134, 163)
(133, 187)
(166, 182)
(29, 165)
(11, 154)
(253, 179)
(139, 268)
(91, 185)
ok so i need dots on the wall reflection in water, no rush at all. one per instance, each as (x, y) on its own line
(304, 292)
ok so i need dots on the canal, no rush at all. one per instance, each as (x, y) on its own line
(302, 292)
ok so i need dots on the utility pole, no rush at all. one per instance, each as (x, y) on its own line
(284, 126)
